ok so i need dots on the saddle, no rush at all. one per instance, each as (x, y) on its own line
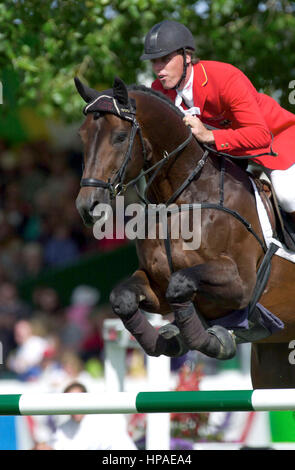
(282, 225)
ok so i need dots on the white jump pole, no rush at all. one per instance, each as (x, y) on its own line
(147, 402)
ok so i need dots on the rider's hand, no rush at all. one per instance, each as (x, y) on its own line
(198, 129)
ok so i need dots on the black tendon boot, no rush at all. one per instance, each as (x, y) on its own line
(216, 341)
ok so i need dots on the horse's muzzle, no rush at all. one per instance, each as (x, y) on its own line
(86, 202)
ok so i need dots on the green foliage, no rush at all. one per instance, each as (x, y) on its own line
(44, 44)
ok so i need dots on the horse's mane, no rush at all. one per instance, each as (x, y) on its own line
(149, 91)
(159, 95)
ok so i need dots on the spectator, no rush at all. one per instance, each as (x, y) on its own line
(32, 259)
(10, 247)
(90, 432)
(73, 368)
(15, 208)
(59, 172)
(31, 346)
(46, 300)
(48, 307)
(12, 308)
(77, 326)
(10, 302)
(52, 376)
(60, 249)
(32, 178)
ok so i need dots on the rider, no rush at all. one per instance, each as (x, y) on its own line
(220, 95)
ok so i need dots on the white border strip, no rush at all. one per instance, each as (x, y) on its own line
(273, 400)
(77, 403)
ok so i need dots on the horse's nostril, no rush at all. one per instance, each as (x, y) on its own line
(93, 205)
(84, 208)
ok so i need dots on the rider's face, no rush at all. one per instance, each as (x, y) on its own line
(169, 69)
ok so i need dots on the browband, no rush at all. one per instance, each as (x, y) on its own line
(108, 104)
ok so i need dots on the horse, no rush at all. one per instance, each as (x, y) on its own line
(133, 131)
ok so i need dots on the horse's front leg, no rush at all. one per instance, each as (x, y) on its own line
(219, 281)
(126, 300)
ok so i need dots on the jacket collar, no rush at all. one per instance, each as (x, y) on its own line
(200, 88)
(201, 74)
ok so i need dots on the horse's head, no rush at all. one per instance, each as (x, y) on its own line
(113, 146)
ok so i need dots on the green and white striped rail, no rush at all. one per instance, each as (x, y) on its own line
(146, 402)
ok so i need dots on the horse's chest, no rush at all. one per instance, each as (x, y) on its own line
(154, 259)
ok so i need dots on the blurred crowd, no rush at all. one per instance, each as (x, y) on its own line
(39, 224)
(48, 343)
(40, 228)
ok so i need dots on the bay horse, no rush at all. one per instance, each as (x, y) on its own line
(132, 131)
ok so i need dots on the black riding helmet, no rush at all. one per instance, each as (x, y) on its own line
(166, 37)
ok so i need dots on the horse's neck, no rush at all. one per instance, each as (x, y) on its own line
(166, 138)
(176, 171)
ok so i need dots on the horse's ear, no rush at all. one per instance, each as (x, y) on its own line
(88, 94)
(120, 91)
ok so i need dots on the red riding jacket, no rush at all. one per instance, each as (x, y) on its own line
(245, 118)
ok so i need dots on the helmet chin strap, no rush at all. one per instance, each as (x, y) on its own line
(183, 71)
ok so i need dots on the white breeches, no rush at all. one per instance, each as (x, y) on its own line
(284, 186)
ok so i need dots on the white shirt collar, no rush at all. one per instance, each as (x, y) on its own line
(186, 93)
(189, 85)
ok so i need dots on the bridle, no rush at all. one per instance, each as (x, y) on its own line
(117, 185)
(103, 104)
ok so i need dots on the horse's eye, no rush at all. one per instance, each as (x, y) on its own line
(119, 137)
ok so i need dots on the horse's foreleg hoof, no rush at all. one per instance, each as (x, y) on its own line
(227, 342)
(124, 301)
(176, 346)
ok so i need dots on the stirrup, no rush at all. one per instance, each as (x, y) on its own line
(257, 331)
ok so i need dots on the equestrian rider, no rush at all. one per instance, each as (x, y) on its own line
(219, 94)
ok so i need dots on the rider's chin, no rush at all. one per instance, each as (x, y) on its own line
(169, 84)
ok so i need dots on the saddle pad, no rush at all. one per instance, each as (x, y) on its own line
(283, 252)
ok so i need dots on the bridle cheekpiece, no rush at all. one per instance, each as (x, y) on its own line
(124, 109)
